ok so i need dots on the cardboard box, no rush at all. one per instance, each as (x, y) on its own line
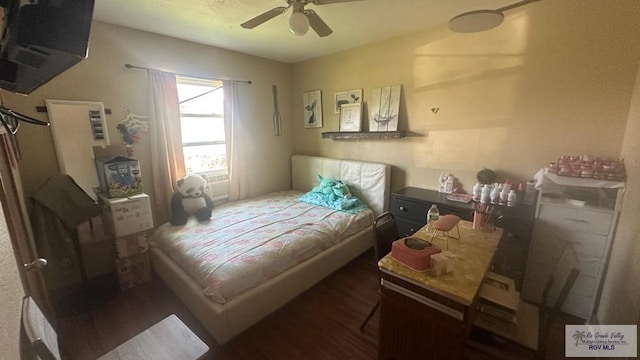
(499, 298)
(119, 176)
(126, 216)
(132, 245)
(133, 271)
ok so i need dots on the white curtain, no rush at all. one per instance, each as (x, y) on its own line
(236, 135)
(167, 161)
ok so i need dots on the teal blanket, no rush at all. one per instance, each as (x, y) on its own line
(352, 205)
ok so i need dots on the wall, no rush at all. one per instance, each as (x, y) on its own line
(555, 78)
(10, 296)
(103, 77)
(620, 303)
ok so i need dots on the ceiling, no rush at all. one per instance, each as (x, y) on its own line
(217, 22)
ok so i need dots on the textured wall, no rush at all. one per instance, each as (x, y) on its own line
(10, 296)
(555, 78)
(103, 77)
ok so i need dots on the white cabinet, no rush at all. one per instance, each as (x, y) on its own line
(583, 212)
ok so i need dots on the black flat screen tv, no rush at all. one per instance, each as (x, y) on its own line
(41, 39)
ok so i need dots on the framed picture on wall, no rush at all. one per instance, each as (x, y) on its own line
(347, 97)
(312, 102)
(351, 117)
(384, 107)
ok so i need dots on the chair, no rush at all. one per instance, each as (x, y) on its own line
(168, 339)
(385, 232)
(534, 321)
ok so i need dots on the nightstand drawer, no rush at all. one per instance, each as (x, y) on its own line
(413, 211)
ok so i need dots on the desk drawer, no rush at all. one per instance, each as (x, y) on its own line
(413, 211)
(595, 222)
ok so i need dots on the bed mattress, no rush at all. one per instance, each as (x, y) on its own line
(248, 242)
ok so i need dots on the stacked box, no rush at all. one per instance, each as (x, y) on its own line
(119, 176)
(126, 216)
(132, 245)
(128, 220)
(133, 271)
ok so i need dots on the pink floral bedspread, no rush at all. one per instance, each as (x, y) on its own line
(248, 242)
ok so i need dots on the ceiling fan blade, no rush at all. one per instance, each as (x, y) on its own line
(325, 2)
(267, 15)
(316, 23)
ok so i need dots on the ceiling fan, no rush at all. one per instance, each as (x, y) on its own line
(481, 20)
(300, 19)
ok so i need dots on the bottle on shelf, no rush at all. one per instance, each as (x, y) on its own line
(504, 194)
(512, 198)
(433, 214)
(448, 185)
(477, 192)
(485, 195)
(442, 179)
(495, 194)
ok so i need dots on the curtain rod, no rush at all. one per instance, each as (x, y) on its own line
(130, 66)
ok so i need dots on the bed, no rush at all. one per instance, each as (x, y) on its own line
(216, 268)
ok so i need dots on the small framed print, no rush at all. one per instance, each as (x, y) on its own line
(347, 97)
(351, 117)
(312, 102)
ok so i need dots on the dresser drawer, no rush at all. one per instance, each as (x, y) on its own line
(413, 211)
(583, 243)
(543, 259)
(464, 214)
(576, 304)
(589, 221)
(407, 228)
(585, 286)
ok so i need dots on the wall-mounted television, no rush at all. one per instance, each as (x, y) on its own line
(41, 39)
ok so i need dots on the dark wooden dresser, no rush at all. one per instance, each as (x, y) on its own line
(410, 206)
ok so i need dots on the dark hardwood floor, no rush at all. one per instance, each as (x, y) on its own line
(322, 323)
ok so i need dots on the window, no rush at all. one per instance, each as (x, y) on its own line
(202, 126)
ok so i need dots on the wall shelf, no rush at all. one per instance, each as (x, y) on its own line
(363, 135)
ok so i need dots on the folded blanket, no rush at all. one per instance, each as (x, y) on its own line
(352, 205)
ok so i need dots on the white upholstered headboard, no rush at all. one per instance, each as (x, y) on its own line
(367, 180)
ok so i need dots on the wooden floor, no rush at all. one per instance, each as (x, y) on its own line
(322, 323)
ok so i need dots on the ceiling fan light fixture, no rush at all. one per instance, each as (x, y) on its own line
(476, 21)
(298, 23)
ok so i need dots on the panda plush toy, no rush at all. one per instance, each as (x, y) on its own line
(190, 199)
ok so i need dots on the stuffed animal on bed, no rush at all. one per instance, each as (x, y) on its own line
(343, 194)
(325, 187)
(341, 190)
(335, 191)
(190, 199)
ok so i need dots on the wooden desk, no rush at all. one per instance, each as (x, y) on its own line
(410, 206)
(429, 317)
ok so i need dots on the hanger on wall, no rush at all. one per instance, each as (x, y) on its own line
(133, 121)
